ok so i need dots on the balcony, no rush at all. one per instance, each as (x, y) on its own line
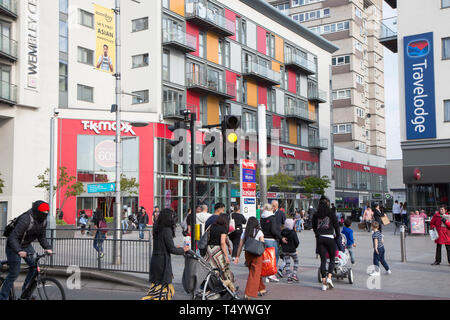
(9, 8)
(8, 93)
(197, 12)
(300, 63)
(297, 112)
(392, 3)
(206, 84)
(315, 94)
(8, 48)
(388, 34)
(261, 73)
(179, 40)
(319, 144)
(172, 109)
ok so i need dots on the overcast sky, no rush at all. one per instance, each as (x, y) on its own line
(391, 81)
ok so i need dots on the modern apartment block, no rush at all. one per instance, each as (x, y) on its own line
(214, 58)
(358, 66)
(421, 38)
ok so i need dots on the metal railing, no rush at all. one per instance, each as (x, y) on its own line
(293, 58)
(8, 46)
(10, 5)
(388, 28)
(8, 92)
(173, 108)
(73, 249)
(297, 111)
(179, 36)
(198, 8)
(207, 82)
(314, 93)
(260, 70)
(318, 143)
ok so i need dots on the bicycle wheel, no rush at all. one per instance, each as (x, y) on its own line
(50, 289)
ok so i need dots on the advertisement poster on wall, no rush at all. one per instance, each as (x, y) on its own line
(105, 52)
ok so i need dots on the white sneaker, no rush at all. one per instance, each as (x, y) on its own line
(330, 283)
(324, 287)
(375, 274)
(273, 279)
(389, 272)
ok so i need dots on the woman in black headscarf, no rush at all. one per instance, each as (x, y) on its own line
(161, 275)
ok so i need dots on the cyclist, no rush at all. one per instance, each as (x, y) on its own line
(30, 226)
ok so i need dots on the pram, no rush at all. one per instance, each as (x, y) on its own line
(203, 282)
(341, 270)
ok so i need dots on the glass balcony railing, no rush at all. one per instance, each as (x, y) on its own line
(317, 143)
(8, 92)
(209, 83)
(389, 28)
(181, 38)
(173, 108)
(198, 9)
(262, 72)
(315, 94)
(9, 5)
(297, 111)
(8, 46)
(301, 62)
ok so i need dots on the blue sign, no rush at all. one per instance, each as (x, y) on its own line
(101, 187)
(249, 201)
(249, 175)
(420, 98)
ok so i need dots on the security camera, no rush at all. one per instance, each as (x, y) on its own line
(56, 112)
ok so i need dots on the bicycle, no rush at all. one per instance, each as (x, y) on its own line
(47, 288)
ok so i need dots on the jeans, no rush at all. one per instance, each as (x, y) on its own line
(298, 225)
(352, 255)
(141, 230)
(125, 225)
(98, 241)
(14, 270)
(273, 244)
(379, 257)
(405, 220)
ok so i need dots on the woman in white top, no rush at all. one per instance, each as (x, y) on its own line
(368, 217)
(255, 284)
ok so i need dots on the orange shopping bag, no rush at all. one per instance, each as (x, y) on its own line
(269, 263)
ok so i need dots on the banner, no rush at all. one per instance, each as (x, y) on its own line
(417, 225)
(105, 52)
(248, 188)
(420, 103)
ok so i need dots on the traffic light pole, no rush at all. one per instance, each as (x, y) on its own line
(193, 181)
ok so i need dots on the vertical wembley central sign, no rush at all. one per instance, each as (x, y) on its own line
(248, 188)
(420, 102)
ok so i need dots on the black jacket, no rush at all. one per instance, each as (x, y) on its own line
(326, 224)
(143, 218)
(21, 238)
(270, 228)
(292, 239)
(377, 216)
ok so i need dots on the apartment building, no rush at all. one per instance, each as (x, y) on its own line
(214, 58)
(421, 37)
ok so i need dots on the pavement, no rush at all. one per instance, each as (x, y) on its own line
(414, 279)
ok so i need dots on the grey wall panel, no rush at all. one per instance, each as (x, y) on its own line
(251, 35)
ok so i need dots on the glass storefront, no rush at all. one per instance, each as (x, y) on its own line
(427, 196)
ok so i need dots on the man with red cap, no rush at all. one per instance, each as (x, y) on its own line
(29, 226)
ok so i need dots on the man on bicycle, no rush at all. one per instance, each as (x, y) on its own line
(30, 226)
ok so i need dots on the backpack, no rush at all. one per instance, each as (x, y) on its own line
(12, 225)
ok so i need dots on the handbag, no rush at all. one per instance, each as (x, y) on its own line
(362, 225)
(204, 239)
(385, 220)
(434, 235)
(254, 246)
(269, 263)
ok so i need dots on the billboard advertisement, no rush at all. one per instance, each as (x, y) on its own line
(420, 104)
(105, 52)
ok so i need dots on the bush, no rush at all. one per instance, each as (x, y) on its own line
(109, 219)
(61, 223)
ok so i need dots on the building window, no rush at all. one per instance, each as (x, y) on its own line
(244, 91)
(238, 89)
(63, 84)
(358, 45)
(270, 45)
(165, 66)
(341, 94)
(445, 4)
(85, 93)
(202, 44)
(166, 4)
(173, 101)
(299, 134)
(271, 100)
(139, 24)
(241, 31)
(359, 79)
(63, 6)
(85, 56)
(284, 131)
(358, 12)
(63, 37)
(341, 60)
(446, 48)
(140, 97)
(447, 110)
(342, 128)
(140, 60)
(86, 19)
(249, 124)
(360, 112)
(203, 111)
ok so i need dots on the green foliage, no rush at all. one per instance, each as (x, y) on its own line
(283, 181)
(315, 185)
(2, 185)
(109, 219)
(60, 222)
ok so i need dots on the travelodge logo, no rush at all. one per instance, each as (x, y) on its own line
(289, 152)
(337, 163)
(97, 127)
(366, 168)
(418, 48)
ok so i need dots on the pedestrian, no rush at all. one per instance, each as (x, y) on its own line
(258, 212)
(155, 214)
(297, 221)
(280, 217)
(348, 233)
(290, 251)
(368, 217)
(404, 214)
(218, 251)
(255, 284)
(441, 222)
(379, 251)
(28, 227)
(59, 213)
(326, 229)
(83, 221)
(272, 234)
(202, 217)
(219, 209)
(100, 227)
(235, 236)
(422, 214)
(377, 215)
(124, 221)
(396, 212)
(143, 222)
(161, 275)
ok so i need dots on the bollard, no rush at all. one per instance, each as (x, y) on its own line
(402, 243)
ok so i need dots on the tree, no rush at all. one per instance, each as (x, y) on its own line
(2, 185)
(128, 186)
(74, 188)
(281, 180)
(315, 185)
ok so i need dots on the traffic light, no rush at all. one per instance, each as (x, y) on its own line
(213, 148)
(179, 154)
(230, 139)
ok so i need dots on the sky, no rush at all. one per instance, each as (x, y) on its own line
(391, 91)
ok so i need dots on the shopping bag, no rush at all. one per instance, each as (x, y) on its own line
(385, 220)
(269, 263)
(362, 225)
(434, 235)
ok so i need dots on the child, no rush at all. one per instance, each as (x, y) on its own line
(297, 221)
(348, 233)
(289, 250)
(379, 251)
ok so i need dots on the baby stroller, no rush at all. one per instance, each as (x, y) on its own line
(203, 282)
(134, 223)
(341, 270)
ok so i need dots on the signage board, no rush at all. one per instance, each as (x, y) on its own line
(101, 187)
(248, 188)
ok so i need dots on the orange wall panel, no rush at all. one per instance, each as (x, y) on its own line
(252, 93)
(292, 132)
(213, 110)
(212, 47)
(177, 6)
(279, 49)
